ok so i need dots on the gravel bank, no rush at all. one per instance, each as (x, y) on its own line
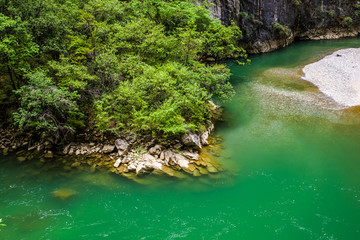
(337, 76)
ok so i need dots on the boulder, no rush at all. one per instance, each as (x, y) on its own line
(66, 149)
(162, 155)
(190, 155)
(108, 148)
(211, 168)
(168, 155)
(148, 158)
(49, 154)
(178, 146)
(196, 173)
(182, 161)
(117, 163)
(71, 150)
(122, 146)
(78, 152)
(192, 140)
(156, 150)
(204, 136)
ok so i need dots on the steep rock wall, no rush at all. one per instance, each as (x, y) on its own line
(271, 24)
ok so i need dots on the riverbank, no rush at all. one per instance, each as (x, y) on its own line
(128, 155)
(337, 76)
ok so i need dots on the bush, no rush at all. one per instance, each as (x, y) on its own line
(45, 107)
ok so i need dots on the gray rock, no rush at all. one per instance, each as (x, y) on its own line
(190, 155)
(192, 140)
(66, 149)
(78, 152)
(168, 155)
(204, 137)
(148, 157)
(108, 148)
(122, 146)
(182, 161)
(156, 150)
(71, 150)
(162, 155)
(39, 148)
(178, 146)
(117, 163)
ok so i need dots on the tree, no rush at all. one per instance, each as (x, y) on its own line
(17, 50)
(46, 108)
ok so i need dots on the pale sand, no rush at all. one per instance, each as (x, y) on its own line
(337, 76)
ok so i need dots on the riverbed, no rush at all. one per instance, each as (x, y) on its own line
(292, 156)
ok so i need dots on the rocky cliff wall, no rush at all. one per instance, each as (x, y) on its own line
(271, 24)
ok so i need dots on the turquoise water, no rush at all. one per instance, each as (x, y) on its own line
(294, 173)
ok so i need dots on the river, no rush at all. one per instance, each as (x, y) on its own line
(293, 160)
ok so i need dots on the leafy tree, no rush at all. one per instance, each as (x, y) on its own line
(17, 49)
(139, 65)
(45, 107)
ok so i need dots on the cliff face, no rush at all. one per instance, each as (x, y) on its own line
(271, 24)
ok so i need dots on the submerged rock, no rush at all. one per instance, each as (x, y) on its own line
(49, 154)
(64, 193)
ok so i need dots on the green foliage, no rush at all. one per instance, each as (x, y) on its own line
(168, 99)
(16, 48)
(297, 2)
(45, 107)
(331, 13)
(347, 21)
(285, 30)
(134, 64)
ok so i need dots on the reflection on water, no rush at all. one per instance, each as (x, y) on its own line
(292, 160)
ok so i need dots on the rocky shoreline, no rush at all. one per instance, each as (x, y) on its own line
(129, 155)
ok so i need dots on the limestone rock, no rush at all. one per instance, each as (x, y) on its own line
(108, 148)
(168, 155)
(162, 155)
(49, 154)
(122, 146)
(117, 163)
(196, 173)
(156, 150)
(182, 161)
(204, 136)
(64, 193)
(192, 140)
(178, 146)
(66, 149)
(190, 155)
(211, 168)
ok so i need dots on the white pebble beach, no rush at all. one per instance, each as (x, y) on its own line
(337, 76)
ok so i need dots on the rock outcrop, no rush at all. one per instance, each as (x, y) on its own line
(272, 24)
(125, 155)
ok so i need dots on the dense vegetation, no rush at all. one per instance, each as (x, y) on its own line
(114, 65)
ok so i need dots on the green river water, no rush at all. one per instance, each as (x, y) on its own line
(293, 172)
